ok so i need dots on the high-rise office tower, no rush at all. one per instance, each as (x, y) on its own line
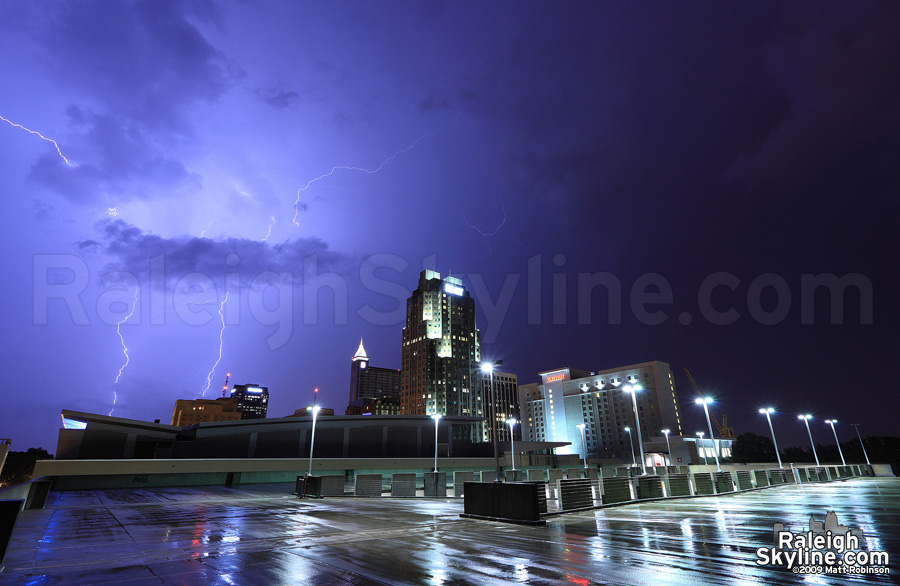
(369, 384)
(252, 400)
(506, 396)
(441, 352)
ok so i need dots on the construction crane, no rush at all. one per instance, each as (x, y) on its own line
(723, 430)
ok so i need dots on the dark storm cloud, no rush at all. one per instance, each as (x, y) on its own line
(279, 99)
(145, 58)
(132, 250)
(319, 83)
(124, 160)
(135, 68)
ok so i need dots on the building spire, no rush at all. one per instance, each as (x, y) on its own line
(360, 352)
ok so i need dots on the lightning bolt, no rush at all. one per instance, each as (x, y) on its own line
(269, 233)
(124, 348)
(363, 169)
(113, 212)
(219, 359)
(35, 132)
(484, 234)
(203, 234)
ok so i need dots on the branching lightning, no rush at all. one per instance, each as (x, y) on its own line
(269, 233)
(221, 342)
(484, 234)
(35, 132)
(363, 169)
(124, 347)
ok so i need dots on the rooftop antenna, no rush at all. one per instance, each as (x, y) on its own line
(225, 387)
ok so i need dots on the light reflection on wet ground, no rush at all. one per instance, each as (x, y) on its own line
(262, 535)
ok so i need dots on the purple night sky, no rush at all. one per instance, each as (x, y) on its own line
(708, 154)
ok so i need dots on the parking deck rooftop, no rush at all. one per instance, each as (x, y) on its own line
(261, 534)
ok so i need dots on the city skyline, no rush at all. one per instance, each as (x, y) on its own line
(196, 189)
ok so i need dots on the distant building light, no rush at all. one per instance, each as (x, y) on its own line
(453, 289)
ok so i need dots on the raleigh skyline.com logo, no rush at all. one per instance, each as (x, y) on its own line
(826, 548)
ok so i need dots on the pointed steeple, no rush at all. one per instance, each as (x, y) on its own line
(360, 352)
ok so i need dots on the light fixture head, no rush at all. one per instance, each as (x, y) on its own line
(487, 367)
(436, 416)
(666, 431)
(628, 429)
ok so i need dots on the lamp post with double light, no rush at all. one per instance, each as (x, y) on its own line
(705, 401)
(315, 412)
(488, 367)
(768, 412)
(633, 389)
(437, 419)
(831, 422)
(666, 433)
(581, 427)
(631, 443)
(511, 422)
(806, 419)
(700, 434)
(856, 427)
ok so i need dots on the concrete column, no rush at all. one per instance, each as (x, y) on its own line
(128, 452)
(251, 447)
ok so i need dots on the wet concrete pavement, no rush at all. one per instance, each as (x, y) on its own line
(262, 535)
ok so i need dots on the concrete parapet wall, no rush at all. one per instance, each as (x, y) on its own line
(368, 485)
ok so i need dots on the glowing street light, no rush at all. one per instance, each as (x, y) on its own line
(856, 426)
(315, 412)
(705, 401)
(512, 441)
(581, 426)
(633, 389)
(437, 419)
(631, 443)
(806, 419)
(489, 368)
(767, 412)
(666, 433)
(831, 422)
(700, 434)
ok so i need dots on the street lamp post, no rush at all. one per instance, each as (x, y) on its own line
(767, 412)
(581, 426)
(705, 402)
(512, 441)
(806, 419)
(489, 368)
(437, 419)
(831, 422)
(633, 389)
(700, 434)
(631, 443)
(315, 412)
(856, 426)
(666, 433)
